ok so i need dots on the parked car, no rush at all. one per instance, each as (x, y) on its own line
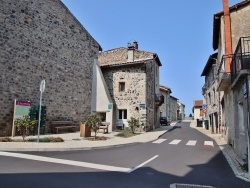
(165, 121)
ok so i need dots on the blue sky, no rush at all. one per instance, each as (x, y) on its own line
(180, 32)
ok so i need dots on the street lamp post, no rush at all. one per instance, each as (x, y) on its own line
(42, 88)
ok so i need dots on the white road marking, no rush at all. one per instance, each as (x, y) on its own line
(209, 143)
(159, 141)
(191, 143)
(175, 142)
(76, 163)
(142, 164)
(66, 162)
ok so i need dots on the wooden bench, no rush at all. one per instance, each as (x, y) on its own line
(55, 126)
(105, 127)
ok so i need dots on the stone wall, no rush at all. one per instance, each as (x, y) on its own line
(240, 25)
(150, 98)
(134, 78)
(240, 120)
(43, 40)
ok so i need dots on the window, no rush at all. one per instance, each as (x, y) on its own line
(121, 86)
(122, 114)
(201, 112)
(209, 98)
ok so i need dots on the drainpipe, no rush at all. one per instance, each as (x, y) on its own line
(227, 33)
(248, 123)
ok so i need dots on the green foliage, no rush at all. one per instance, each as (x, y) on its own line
(133, 123)
(190, 115)
(127, 132)
(25, 125)
(93, 122)
(245, 163)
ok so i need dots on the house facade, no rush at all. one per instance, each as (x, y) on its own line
(165, 107)
(210, 94)
(197, 110)
(231, 33)
(132, 79)
(181, 113)
(174, 108)
(43, 40)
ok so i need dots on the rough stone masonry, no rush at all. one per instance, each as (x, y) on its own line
(43, 40)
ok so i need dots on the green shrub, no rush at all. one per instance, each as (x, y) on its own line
(93, 122)
(127, 132)
(25, 125)
(245, 163)
(133, 123)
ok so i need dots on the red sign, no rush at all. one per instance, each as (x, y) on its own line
(23, 103)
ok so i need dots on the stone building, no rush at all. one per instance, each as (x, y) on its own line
(231, 31)
(132, 79)
(181, 112)
(165, 107)
(210, 94)
(43, 40)
(174, 108)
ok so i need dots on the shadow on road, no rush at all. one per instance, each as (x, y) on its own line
(146, 177)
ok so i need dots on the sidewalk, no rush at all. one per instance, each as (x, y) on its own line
(73, 141)
(227, 150)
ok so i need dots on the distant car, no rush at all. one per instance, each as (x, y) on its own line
(164, 121)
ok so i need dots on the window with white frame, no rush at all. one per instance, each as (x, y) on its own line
(122, 114)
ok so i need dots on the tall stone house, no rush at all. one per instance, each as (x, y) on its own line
(210, 94)
(181, 112)
(132, 79)
(231, 31)
(165, 107)
(174, 108)
(43, 40)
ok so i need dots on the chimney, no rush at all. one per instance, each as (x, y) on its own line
(135, 44)
(227, 33)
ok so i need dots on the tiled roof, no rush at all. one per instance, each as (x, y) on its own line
(198, 103)
(119, 56)
(162, 87)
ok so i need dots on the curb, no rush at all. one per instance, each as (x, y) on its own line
(230, 159)
(76, 149)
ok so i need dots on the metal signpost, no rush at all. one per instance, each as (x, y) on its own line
(42, 88)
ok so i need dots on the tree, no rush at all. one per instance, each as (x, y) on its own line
(133, 123)
(190, 115)
(25, 125)
(93, 122)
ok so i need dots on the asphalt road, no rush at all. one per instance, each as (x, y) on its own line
(183, 155)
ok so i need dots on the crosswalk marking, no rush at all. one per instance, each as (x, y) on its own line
(159, 141)
(209, 143)
(175, 142)
(191, 143)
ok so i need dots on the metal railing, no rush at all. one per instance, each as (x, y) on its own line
(222, 69)
(241, 57)
(159, 98)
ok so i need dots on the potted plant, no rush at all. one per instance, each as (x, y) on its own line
(93, 122)
(25, 125)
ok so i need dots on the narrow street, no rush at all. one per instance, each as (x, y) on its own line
(183, 155)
